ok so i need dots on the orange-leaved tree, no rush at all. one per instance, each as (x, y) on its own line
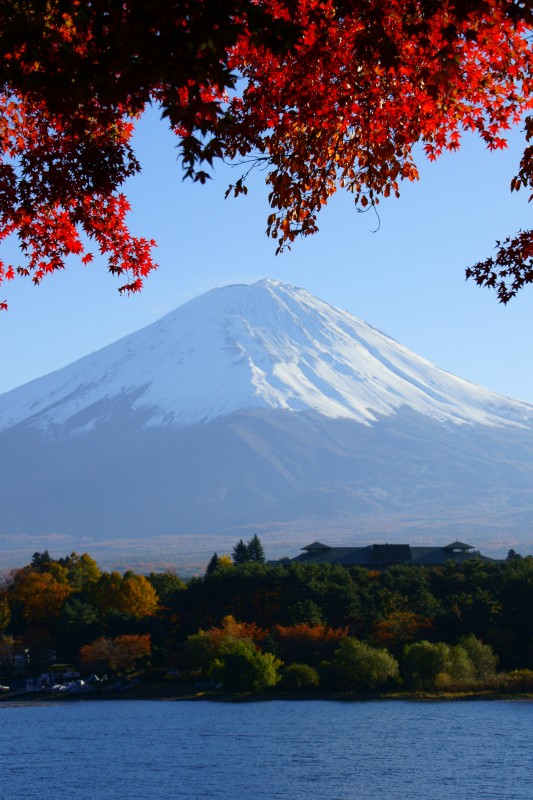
(40, 596)
(118, 654)
(128, 594)
(398, 628)
(202, 648)
(323, 93)
(307, 643)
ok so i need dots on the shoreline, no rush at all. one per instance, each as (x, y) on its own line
(165, 693)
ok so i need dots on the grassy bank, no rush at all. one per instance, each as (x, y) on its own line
(178, 691)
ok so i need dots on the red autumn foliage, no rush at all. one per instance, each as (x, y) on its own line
(307, 643)
(232, 631)
(119, 654)
(331, 93)
(302, 631)
(399, 628)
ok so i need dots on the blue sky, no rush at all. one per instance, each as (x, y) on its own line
(406, 279)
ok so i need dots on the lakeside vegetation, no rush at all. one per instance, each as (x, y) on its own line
(248, 627)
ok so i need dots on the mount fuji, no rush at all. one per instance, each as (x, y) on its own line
(261, 408)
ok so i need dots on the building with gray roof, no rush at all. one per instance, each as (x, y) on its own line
(381, 556)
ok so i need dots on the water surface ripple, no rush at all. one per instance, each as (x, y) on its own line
(319, 750)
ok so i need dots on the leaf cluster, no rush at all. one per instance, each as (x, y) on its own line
(321, 95)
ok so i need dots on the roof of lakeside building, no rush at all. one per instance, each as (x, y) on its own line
(383, 555)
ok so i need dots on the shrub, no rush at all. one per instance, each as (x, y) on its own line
(358, 666)
(299, 676)
(202, 649)
(242, 668)
(519, 680)
(460, 668)
(423, 661)
(436, 665)
(482, 657)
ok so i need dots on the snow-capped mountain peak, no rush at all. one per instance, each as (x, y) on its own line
(266, 345)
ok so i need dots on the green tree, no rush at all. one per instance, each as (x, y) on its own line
(77, 613)
(213, 564)
(255, 550)
(166, 584)
(482, 657)
(459, 667)
(242, 668)
(423, 661)
(358, 666)
(299, 676)
(199, 652)
(40, 562)
(202, 649)
(240, 553)
(306, 611)
(81, 569)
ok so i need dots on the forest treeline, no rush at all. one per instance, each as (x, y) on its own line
(246, 625)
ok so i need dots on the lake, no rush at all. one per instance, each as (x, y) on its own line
(299, 750)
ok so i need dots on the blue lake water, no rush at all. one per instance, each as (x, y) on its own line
(303, 750)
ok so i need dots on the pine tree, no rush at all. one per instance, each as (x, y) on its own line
(255, 550)
(240, 553)
(213, 564)
(41, 561)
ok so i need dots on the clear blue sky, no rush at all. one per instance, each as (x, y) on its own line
(407, 279)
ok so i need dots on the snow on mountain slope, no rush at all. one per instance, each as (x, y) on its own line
(266, 345)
